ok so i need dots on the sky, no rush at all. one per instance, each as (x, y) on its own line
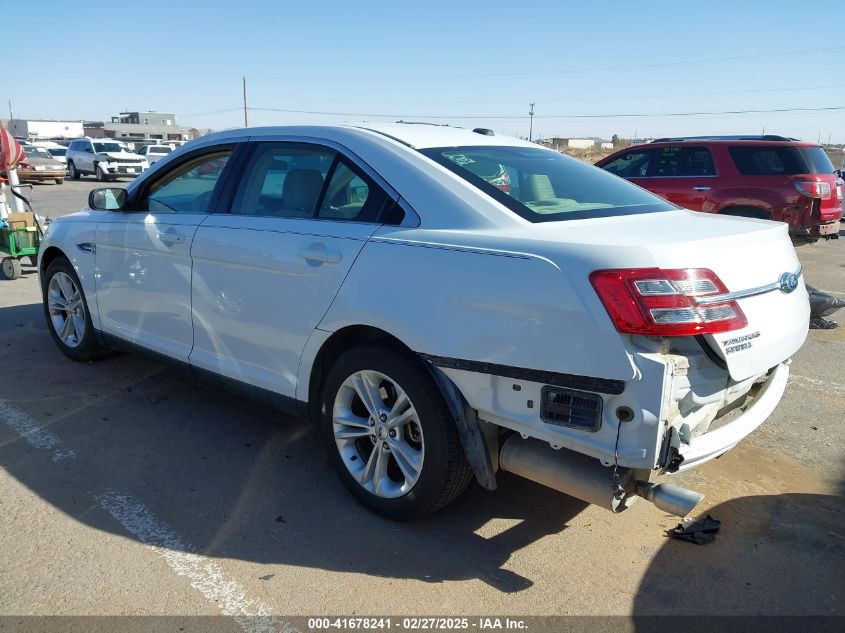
(465, 63)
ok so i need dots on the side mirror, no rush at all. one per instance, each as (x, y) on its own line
(107, 199)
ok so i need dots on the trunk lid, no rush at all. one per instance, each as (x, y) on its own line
(746, 254)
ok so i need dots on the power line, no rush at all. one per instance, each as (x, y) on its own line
(546, 116)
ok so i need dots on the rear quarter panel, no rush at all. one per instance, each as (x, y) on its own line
(476, 304)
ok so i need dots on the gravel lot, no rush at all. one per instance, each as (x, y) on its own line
(126, 488)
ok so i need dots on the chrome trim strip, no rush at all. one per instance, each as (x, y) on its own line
(742, 294)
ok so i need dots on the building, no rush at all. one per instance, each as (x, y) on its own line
(44, 128)
(145, 118)
(558, 143)
(160, 126)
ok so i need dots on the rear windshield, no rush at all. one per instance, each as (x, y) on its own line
(160, 149)
(781, 160)
(545, 186)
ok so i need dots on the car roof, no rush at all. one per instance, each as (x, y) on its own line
(731, 142)
(414, 135)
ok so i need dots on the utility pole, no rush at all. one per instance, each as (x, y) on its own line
(246, 121)
(11, 115)
(531, 124)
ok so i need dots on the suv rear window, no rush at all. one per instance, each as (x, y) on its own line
(781, 160)
(545, 186)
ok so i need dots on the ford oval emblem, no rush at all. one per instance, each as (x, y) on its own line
(788, 282)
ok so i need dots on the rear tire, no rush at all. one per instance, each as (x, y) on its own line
(59, 181)
(404, 459)
(72, 171)
(67, 314)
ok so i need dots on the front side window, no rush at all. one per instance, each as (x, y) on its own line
(187, 188)
(682, 162)
(545, 185)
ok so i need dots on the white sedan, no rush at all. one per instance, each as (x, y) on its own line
(443, 304)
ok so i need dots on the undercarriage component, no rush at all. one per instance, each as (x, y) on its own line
(585, 478)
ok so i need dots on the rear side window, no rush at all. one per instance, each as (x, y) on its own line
(290, 180)
(630, 164)
(682, 162)
(781, 160)
(351, 196)
(283, 180)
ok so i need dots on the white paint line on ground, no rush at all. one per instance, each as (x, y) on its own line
(819, 386)
(34, 435)
(205, 575)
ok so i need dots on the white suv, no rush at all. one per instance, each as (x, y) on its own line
(106, 159)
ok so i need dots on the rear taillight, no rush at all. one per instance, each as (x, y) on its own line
(660, 302)
(813, 189)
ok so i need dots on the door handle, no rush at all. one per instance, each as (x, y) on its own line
(320, 255)
(171, 237)
(701, 188)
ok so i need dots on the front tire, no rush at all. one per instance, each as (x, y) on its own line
(66, 310)
(100, 174)
(11, 268)
(390, 434)
(59, 181)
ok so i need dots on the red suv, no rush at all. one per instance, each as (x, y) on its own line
(768, 177)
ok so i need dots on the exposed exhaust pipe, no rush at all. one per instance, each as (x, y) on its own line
(585, 478)
(669, 497)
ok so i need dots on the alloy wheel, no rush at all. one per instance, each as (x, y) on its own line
(378, 434)
(66, 309)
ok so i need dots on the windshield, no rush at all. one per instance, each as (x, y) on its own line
(542, 185)
(57, 151)
(36, 152)
(107, 147)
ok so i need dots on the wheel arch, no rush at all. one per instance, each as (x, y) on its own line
(333, 348)
(478, 447)
(49, 255)
(746, 211)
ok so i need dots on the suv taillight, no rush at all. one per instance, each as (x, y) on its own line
(658, 302)
(813, 189)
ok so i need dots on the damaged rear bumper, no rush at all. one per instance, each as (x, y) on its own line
(714, 443)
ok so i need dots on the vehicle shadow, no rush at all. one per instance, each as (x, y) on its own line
(774, 555)
(236, 479)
